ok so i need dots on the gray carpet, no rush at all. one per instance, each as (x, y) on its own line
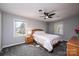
(34, 50)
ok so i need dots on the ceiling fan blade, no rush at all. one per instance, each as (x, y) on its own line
(49, 17)
(46, 14)
(45, 18)
(51, 14)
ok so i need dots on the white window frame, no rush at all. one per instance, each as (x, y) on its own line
(58, 28)
(19, 20)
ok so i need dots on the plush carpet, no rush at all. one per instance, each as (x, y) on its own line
(34, 50)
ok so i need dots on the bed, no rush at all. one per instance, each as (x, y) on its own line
(45, 39)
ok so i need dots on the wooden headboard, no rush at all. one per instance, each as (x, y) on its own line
(36, 30)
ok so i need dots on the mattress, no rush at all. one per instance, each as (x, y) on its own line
(47, 40)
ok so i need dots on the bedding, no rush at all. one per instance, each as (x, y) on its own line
(46, 40)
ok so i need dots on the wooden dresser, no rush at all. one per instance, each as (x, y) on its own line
(29, 39)
(73, 47)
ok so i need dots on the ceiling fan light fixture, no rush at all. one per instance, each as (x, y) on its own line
(46, 17)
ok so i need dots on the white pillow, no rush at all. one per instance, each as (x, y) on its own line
(39, 32)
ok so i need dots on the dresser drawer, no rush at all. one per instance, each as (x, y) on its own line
(69, 46)
(72, 53)
(72, 50)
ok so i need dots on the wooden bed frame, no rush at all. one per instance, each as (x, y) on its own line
(36, 30)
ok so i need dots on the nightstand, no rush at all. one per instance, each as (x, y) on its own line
(29, 39)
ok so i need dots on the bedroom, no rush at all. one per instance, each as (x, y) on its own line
(46, 18)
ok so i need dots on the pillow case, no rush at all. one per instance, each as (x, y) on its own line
(39, 32)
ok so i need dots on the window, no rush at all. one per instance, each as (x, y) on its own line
(58, 28)
(19, 27)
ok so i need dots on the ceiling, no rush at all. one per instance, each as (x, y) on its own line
(30, 10)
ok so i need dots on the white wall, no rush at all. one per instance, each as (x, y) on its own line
(0, 31)
(69, 26)
(32, 24)
(8, 26)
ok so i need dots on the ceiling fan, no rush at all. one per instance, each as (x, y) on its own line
(47, 15)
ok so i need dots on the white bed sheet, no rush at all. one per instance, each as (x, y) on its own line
(47, 40)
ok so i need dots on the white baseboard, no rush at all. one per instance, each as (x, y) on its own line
(12, 44)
